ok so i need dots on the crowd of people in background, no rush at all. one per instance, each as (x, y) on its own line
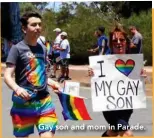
(58, 54)
(102, 47)
(59, 51)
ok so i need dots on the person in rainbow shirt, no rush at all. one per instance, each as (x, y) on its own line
(32, 103)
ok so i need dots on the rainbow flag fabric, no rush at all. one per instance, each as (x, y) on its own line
(73, 107)
(125, 68)
(49, 49)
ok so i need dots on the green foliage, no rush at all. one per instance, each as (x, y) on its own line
(32, 6)
(81, 32)
(124, 8)
(80, 21)
(143, 22)
(49, 24)
(25, 7)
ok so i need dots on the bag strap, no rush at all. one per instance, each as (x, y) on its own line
(42, 41)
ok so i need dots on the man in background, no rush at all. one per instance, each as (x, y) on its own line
(102, 42)
(136, 41)
(56, 53)
(64, 56)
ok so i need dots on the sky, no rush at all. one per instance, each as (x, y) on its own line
(55, 5)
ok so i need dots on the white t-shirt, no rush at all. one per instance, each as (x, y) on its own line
(58, 39)
(65, 45)
(57, 42)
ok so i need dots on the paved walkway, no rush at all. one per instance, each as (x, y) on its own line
(85, 67)
(79, 73)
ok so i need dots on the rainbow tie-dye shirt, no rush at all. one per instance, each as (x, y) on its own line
(35, 72)
(31, 66)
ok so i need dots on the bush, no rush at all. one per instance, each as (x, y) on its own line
(81, 26)
(143, 22)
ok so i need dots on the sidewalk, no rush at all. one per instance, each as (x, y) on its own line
(79, 73)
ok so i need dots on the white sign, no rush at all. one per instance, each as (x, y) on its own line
(72, 88)
(117, 83)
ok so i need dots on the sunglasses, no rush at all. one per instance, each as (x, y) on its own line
(116, 40)
(118, 46)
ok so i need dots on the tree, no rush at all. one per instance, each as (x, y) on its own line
(124, 8)
(32, 6)
(80, 20)
(25, 7)
(40, 5)
(64, 15)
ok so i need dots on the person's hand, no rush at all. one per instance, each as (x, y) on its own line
(54, 47)
(54, 85)
(132, 45)
(90, 72)
(22, 93)
(91, 50)
(143, 73)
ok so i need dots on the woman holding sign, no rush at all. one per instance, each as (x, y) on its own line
(118, 120)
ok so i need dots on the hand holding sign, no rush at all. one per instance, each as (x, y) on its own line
(90, 72)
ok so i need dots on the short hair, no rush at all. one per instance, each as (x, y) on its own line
(132, 27)
(28, 15)
(102, 29)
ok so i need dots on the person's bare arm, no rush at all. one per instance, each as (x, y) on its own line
(102, 52)
(103, 47)
(9, 80)
(54, 85)
(8, 77)
(61, 49)
(54, 46)
(132, 45)
(96, 49)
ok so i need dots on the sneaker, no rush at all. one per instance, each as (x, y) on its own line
(62, 80)
(68, 78)
(61, 77)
